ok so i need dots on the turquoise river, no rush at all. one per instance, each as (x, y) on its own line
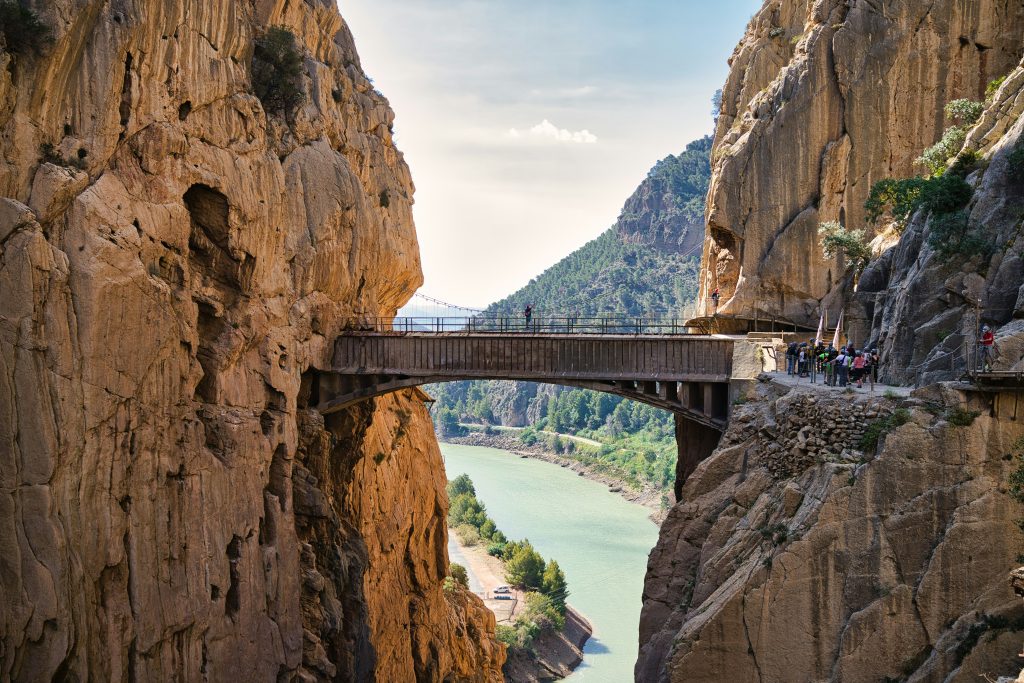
(600, 540)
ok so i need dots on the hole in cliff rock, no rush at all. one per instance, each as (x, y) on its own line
(67, 129)
(233, 600)
(279, 475)
(214, 592)
(309, 390)
(125, 108)
(184, 110)
(210, 328)
(266, 423)
(118, 19)
(275, 399)
(209, 236)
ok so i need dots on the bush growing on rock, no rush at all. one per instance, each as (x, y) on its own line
(459, 574)
(277, 72)
(1015, 163)
(852, 244)
(882, 426)
(21, 31)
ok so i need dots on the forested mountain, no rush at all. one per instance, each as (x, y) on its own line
(645, 265)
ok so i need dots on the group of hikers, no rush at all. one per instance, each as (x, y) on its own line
(841, 367)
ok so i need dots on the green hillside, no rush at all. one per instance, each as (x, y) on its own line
(645, 265)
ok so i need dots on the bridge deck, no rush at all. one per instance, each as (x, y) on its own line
(537, 357)
(688, 374)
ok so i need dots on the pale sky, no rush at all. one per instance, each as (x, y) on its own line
(528, 123)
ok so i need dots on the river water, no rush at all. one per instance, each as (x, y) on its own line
(600, 541)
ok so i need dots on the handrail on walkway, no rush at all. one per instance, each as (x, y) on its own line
(519, 325)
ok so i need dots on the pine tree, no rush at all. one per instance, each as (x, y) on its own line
(554, 585)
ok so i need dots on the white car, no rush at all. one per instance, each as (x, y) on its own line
(502, 589)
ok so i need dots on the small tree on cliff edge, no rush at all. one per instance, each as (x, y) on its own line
(852, 244)
(277, 72)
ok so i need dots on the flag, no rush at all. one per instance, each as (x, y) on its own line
(821, 330)
(839, 327)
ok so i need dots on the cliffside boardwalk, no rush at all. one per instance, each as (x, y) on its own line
(649, 360)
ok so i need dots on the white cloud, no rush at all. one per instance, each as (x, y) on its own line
(549, 132)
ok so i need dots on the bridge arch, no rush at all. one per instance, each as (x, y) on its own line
(688, 375)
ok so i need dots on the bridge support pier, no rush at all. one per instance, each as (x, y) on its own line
(695, 442)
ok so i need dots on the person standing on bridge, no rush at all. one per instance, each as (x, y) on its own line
(528, 313)
(986, 344)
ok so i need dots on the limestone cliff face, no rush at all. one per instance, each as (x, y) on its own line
(923, 308)
(823, 99)
(795, 556)
(171, 277)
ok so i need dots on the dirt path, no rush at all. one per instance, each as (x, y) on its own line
(489, 573)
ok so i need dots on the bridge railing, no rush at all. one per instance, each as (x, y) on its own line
(519, 325)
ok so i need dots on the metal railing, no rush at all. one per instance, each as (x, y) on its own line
(519, 325)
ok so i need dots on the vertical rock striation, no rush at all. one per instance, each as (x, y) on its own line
(922, 307)
(174, 264)
(823, 99)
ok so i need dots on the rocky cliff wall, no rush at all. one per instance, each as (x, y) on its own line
(823, 99)
(923, 307)
(796, 554)
(173, 267)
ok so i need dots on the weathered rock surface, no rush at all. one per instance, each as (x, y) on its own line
(891, 565)
(170, 506)
(922, 308)
(823, 99)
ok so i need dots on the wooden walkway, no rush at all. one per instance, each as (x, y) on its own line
(687, 374)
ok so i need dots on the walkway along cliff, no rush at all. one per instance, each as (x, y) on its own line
(841, 536)
(193, 201)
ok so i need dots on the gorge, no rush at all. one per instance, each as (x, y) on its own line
(198, 198)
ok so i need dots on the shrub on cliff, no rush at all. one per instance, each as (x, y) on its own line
(21, 31)
(459, 574)
(882, 426)
(965, 113)
(1015, 164)
(277, 72)
(852, 244)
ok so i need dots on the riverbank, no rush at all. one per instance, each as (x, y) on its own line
(507, 439)
(553, 655)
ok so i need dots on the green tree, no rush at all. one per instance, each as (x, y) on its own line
(21, 32)
(487, 529)
(852, 244)
(553, 585)
(459, 485)
(277, 71)
(466, 509)
(458, 572)
(448, 423)
(525, 568)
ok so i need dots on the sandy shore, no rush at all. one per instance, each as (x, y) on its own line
(553, 655)
(486, 574)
